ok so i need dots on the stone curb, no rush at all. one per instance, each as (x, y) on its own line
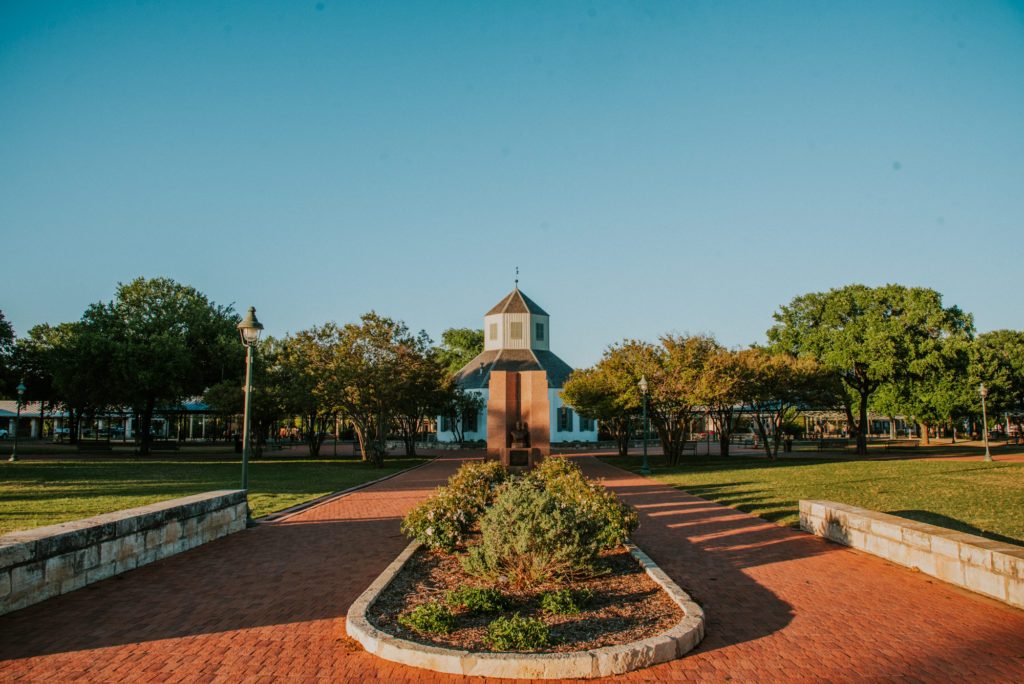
(600, 662)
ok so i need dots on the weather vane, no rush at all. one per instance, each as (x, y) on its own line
(517, 277)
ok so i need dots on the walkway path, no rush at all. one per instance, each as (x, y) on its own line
(268, 604)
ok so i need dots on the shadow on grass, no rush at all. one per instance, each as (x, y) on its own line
(953, 524)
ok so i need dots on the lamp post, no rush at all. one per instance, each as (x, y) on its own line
(983, 391)
(249, 329)
(14, 450)
(646, 470)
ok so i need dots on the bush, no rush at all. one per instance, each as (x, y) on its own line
(429, 618)
(516, 634)
(528, 537)
(476, 599)
(565, 601)
(565, 482)
(441, 522)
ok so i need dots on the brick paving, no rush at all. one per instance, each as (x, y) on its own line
(268, 604)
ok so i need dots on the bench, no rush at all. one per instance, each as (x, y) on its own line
(896, 444)
(94, 445)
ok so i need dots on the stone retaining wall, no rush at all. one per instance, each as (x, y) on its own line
(38, 564)
(982, 565)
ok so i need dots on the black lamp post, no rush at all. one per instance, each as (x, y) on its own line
(249, 329)
(14, 450)
(646, 469)
(983, 391)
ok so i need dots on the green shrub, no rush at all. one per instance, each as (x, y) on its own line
(441, 522)
(615, 520)
(565, 601)
(516, 634)
(429, 618)
(476, 599)
(528, 537)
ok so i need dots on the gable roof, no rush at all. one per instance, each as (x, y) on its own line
(477, 373)
(516, 302)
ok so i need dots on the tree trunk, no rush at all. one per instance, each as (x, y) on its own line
(862, 439)
(145, 421)
(762, 431)
(925, 436)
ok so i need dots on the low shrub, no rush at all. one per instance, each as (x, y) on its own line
(476, 599)
(441, 522)
(429, 618)
(565, 601)
(516, 633)
(564, 480)
(528, 536)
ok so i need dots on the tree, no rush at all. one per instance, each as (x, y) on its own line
(423, 390)
(456, 405)
(673, 371)
(301, 366)
(592, 393)
(772, 385)
(6, 348)
(997, 360)
(357, 370)
(719, 390)
(269, 393)
(458, 347)
(868, 337)
(161, 342)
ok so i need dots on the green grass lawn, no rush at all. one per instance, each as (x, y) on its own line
(38, 493)
(970, 496)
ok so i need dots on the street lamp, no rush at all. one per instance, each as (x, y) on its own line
(983, 391)
(14, 450)
(249, 329)
(646, 469)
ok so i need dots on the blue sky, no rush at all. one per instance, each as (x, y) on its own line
(650, 167)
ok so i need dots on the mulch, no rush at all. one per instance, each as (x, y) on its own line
(627, 605)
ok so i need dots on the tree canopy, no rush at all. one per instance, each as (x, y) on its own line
(458, 347)
(869, 337)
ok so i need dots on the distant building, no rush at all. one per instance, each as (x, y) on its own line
(517, 338)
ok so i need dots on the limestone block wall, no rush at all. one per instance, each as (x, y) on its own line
(982, 565)
(38, 564)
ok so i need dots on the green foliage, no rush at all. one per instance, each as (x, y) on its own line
(516, 633)
(869, 337)
(441, 522)
(429, 618)
(612, 520)
(529, 536)
(476, 599)
(565, 601)
(159, 342)
(458, 347)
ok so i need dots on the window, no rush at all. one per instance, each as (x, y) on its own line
(586, 424)
(494, 331)
(515, 330)
(469, 421)
(540, 332)
(564, 419)
(446, 425)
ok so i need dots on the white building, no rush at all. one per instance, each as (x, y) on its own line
(517, 337)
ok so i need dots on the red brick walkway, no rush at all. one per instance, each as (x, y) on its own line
(268, 604)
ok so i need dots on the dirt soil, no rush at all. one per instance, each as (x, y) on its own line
(627, 605)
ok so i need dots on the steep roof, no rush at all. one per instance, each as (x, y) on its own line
(477, 373)
(516, 302)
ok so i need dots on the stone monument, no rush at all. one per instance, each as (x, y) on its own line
(518, 418)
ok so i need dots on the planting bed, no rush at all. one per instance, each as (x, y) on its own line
(627, 605)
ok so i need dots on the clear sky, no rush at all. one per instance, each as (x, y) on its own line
(650, 167)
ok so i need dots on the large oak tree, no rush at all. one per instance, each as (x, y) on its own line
(869, 337)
